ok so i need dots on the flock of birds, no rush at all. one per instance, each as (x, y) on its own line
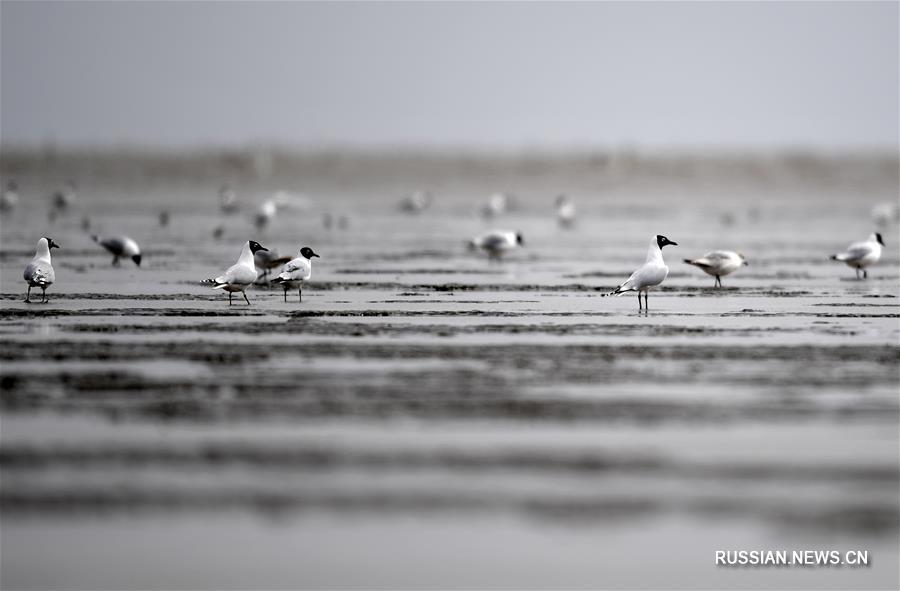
(257, 262)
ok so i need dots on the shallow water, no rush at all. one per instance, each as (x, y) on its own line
(426, 418)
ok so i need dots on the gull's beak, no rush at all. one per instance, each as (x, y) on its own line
(673, 243)
(317, 256)
(52, 245)
(746, 264)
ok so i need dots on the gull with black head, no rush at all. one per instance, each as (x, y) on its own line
(497, 242)
(120, 246)
(860, 255)
(653, 272)
(39, 272)
(241, 274)
(296, 272)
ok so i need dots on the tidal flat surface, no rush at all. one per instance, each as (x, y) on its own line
(426, 418)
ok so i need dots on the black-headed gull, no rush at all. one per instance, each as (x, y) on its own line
(497, 242)
(860, 255)
(39, 272)
(266, 260)
(719, 263)
(565, 211)
(241, 274)
(296, 272)
(120, 246)
(653, 272)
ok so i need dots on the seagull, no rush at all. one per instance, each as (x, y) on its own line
(39, 272)
(120, 246)
(650, 274)
(10, 197)
(241, 274)
(265, 213)
(719, 263)
(64, 197)
(883, 214)
(860, 255)
(496, 242)
(266, 260)
(292, 201)
(416, 202)
(565, 211)
(296, 272)
(228, 202)
(496, 204)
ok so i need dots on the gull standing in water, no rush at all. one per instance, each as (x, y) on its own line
(860, 255)
(265, 213)
(241, 274)
(39, 272)
(497, 242)
(266, 260)
(64, 197)
(120, 246)
(416, 202)
(228, 202)
(653, 272)
(565, 211)
(280, 200)
(884, 214)
(719, 263)
(497, 204)
(10, 197)
(296, 272)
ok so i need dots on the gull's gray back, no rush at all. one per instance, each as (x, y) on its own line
(857, 251)
(238, 274)
(38, 273)
(114, 245)
(297, 270)
(717, 256)
(493, 241)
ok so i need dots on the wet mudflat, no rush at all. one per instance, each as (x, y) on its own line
(427, 418)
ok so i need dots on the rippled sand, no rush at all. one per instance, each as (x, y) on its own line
(426, 418)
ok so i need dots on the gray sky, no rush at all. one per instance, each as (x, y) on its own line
(510, 75)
